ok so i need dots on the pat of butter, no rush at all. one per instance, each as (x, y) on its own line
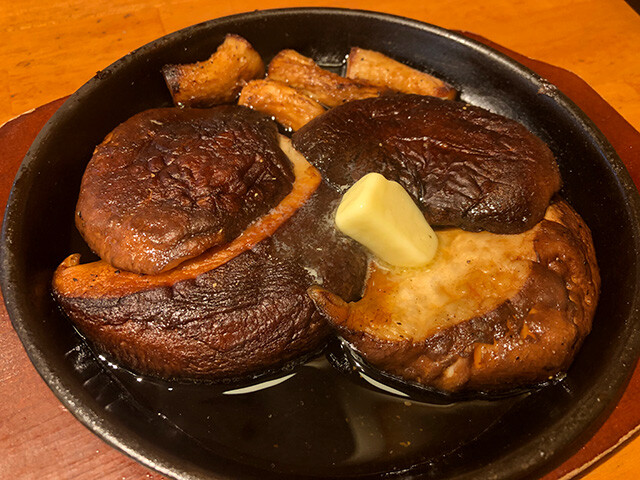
(380, 214)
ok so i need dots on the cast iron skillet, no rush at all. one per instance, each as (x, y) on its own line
(319, 423)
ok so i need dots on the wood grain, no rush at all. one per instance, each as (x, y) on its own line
(39, 438)
(49, 49)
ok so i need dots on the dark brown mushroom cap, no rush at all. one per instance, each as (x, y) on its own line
(169, 183)
(463, 165)
(492, 312)
(249, 315)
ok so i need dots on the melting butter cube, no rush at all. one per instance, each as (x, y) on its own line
(380, 214)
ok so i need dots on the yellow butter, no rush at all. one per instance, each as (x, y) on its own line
(380, 214)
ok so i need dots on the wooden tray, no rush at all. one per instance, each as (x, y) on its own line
(35, 409)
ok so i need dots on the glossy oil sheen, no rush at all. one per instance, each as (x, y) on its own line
(330, 416)
(325, 421)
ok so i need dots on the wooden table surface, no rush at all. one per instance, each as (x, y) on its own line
(50, 48)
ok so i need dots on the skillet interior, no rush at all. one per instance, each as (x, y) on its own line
(320, 423)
